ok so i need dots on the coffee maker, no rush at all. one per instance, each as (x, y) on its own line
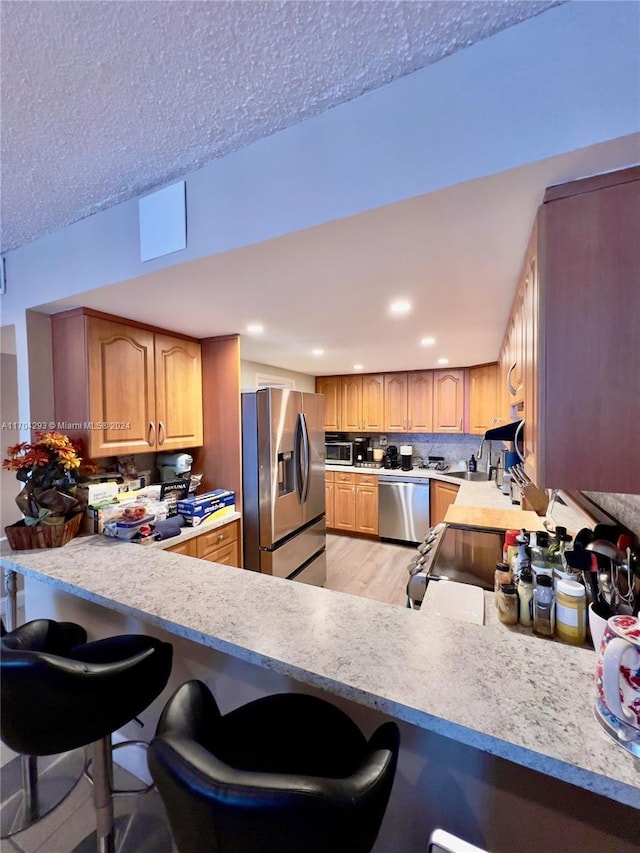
(406, 457)
(391, 457)
(360, 447)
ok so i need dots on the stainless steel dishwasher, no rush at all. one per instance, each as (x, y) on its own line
(403, 508)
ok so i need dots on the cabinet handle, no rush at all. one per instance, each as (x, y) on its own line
(161, 434)
(220, 537)
(515, 439)
(151, 440)
(513, 391)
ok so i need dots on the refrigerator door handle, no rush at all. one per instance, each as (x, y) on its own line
(303, 458)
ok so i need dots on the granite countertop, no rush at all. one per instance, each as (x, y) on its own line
(508, 694)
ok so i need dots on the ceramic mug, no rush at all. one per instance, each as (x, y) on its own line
(618, 672)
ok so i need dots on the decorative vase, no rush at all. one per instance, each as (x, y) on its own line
(22, 537)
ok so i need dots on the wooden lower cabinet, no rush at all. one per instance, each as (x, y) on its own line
(188, 548)
(367, 504)
(329, 487)
(220, 545)
(442, 496)
(355, 502)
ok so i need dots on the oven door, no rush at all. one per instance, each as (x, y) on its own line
(467, 556)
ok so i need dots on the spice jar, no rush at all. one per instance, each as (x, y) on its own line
(571, 612)
(502, 575)
(507, 598)
(544, 607)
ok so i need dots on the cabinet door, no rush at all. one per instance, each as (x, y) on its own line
(442, 496)
(344, 503)
(531, 430)
(420, 401)
(178, 379)
(331, 387)
(590, 269)
(210, 540)
(483, 407)
(187, 548)
(351, 418)
(367, 509)
(328, 499)
(121, 388)
(395, 402)
(227, 555)
(448, 400)
(373, 403)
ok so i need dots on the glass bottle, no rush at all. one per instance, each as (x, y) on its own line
(525, 597)
(501, 576)
(544, 607)
(521, 558)
(507, 599)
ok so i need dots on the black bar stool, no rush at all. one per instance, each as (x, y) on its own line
(32, 786)
(51, 703)
(281, 774)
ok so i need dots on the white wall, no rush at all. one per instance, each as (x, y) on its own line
(250, 371)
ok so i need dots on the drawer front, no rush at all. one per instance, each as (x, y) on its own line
(366, 479)
(339, 477)
(187, 548)
(329, 476)
(213, 539)
(227, 555)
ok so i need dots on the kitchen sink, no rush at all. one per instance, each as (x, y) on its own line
(475, 476)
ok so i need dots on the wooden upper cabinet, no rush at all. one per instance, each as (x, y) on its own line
(420, 401)
(331, 387)
(372, 402)
(448, 401)
(122, 388)
(351, 419)
(178, 383)
(483, 398)
(395, 402)
(589, 269)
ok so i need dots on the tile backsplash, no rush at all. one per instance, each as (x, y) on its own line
(624, 508)
(454, 448)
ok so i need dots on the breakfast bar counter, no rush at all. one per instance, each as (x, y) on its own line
(508, 695)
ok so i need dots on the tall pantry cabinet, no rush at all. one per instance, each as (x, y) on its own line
(125, 388)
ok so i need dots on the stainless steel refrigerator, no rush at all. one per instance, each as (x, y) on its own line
(283, 503)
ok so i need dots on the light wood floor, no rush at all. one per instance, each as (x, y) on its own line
(367, 568)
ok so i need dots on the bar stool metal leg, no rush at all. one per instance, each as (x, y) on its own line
(33, 786)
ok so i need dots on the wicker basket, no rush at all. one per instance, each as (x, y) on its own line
(23, 538)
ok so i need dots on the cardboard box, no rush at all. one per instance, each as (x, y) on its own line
(201, 508)
(93, 494)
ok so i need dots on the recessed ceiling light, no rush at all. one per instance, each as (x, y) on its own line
(358, 366)
(317, 352)
(427, 342)
(400, 307)
(443, 361)
(255, 328)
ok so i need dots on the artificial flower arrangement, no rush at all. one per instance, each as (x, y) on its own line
(50, 468)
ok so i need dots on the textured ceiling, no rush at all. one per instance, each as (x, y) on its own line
(104, 100)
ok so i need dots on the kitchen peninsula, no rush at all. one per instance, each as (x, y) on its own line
(497, 728)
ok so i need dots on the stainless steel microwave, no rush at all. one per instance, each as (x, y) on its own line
(339, 452)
